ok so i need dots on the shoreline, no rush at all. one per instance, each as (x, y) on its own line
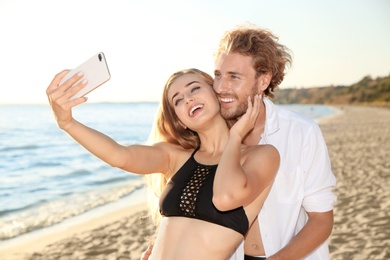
(37, 241)
(327, 119)
(24, 246)
(358, 141)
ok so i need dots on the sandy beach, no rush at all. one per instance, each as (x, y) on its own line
(358, 139)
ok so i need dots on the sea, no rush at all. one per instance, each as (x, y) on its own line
(46, 178)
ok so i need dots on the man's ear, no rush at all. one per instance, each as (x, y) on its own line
(264, 80)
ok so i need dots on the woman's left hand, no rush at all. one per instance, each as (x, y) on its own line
(247, 121)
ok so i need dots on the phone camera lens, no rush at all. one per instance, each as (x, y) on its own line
(100, 57)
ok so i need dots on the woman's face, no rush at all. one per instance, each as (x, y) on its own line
(193, 100)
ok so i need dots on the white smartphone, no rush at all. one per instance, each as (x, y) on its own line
(95, 71)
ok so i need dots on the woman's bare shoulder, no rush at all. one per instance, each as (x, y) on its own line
(261, 151)
(177, 155)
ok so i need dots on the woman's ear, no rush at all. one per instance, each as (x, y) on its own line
(264, 80)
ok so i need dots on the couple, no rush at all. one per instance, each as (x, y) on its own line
(296, 217)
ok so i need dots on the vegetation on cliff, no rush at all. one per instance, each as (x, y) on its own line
(366, 91)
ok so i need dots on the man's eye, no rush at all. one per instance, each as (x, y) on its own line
(217, 75)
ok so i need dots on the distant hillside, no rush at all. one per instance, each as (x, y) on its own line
(367, 91)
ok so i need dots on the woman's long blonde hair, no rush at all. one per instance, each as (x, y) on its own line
(166, 128)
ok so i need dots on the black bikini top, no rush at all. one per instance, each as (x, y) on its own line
(189, 194)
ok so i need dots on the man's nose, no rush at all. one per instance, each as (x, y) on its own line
(219, 85)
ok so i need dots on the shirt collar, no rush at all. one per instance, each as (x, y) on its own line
(271, 125)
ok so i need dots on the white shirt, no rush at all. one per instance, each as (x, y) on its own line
(303, 183)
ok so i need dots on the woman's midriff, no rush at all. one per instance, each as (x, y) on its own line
(186, 238)
(253, 245)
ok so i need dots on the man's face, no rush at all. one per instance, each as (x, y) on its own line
(235, 80)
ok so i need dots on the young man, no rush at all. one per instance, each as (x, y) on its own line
(297, 217)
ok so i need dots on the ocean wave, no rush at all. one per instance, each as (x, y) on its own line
(46, 164)
(109, 181)
(15, 148)
(37, 189)
(76, 173)
(53, 212)
(11, 210)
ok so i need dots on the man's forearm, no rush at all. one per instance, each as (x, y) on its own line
(314, 233)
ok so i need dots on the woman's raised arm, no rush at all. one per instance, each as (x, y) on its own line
(139, 159)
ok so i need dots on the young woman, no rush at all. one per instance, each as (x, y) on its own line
(215, 186)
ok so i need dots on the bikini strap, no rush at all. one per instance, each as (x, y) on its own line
(193, 153)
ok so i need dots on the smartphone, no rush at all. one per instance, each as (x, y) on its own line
(95, 71)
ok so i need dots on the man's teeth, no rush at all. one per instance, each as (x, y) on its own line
(194, 108)
(227, 100)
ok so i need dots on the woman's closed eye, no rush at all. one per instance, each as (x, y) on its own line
(195, 89)
(192, 90)
(177, 101)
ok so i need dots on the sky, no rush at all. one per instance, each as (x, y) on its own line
(333, 42)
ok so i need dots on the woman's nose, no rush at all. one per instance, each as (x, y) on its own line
(189, 98)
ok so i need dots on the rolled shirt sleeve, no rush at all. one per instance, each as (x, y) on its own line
(319, 178)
